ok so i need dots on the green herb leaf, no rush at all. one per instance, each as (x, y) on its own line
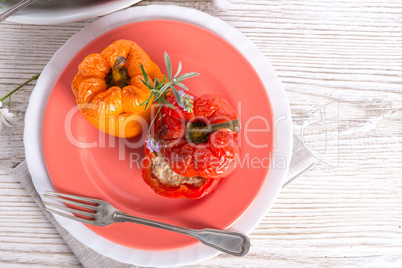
(178, 70)
(159, 90)
(183, 77)
(168, 66)
(166, 102)
(177, 96)
(164, 88)
(144, 73)
(145, 102)
(181, 85)
(159, 84)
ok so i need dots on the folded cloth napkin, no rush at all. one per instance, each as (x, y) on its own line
(301, 162)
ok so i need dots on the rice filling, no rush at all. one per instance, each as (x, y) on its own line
(168, 177)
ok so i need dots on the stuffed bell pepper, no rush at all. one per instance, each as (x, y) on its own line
(192, 142)
(108, 88)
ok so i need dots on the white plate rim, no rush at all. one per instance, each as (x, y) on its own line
(68, 15)
(34, 121)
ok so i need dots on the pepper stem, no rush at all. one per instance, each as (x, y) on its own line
(198, 132)
(118, 75)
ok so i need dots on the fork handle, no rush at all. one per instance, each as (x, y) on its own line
(229, 242)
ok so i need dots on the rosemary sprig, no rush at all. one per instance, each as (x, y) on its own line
(159, 89)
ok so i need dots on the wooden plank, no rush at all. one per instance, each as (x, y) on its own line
(347, 212)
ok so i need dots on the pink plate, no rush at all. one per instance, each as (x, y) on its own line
(81, 160)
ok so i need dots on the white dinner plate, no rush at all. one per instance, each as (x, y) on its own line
(282, 149)
(63, 11)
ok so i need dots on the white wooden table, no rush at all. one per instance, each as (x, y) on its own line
(341, 65)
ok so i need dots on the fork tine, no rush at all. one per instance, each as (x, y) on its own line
(77, 211)
(92, 200)
(70, 216)
(79, 204)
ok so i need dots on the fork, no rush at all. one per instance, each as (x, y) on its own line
(104, 214)
(17, 7)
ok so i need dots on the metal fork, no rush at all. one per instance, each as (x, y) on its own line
(104, 214)
(17, 7)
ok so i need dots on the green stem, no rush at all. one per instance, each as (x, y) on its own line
(35, 77)
(153, 119)
(198, 132)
